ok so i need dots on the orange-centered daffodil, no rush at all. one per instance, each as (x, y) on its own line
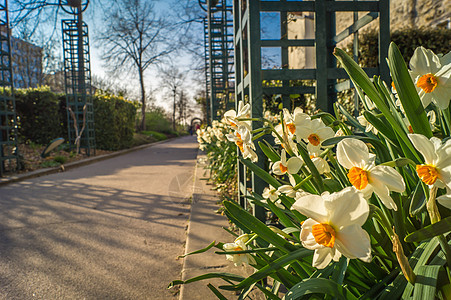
(324, 234)
(358, 178)
(436, 169)
(427, 83)
(363, 173)
(334, 226)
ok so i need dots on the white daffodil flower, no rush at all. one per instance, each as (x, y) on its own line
(239, 245)
(436, 170)
(297, 119)
(368, 126)
(243, 139)
(231, 116)
(320, 163)
(431, 77)
(283, 166)
(270, 193)
(273, 195)
(334, 226)
(287, 190)
(314, 132)
(365, 176)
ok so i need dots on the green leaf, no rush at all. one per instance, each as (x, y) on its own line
(255, 225)
(359, 78)
(283, 218)
(441, 227)
(418, 200)
(352, 120)
(426, 282)
(380, 126)
(216, 292)
(407, 93)
(319, 286)
(267, 293)
(270, 268)
(261, 173)
(225, 276)
(213, 244)
(269, 151)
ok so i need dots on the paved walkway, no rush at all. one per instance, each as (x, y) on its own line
(108, 230)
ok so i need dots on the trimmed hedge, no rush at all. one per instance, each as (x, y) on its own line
(407, 40)
(42, 117)
(39, 115)
(114, 122)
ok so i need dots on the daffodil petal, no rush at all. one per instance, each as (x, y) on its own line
(322, 257)
(445, 200)
(325, 133)
(321, 165)
(424, 146)
(352, 153)
(276, 168)
(346, 207)
(441, 95)
(287, 190)
(384, 194)
(283, 157)
(424, 61)
(294, 164)
(354, 242)
(388, 177)
(312, 206)
(307, 238)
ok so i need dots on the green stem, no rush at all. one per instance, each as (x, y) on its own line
(432, 206)
(379, 215)
(300, 184)
(435, 217)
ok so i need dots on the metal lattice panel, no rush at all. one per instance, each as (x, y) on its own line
(251, 43)
(219, 57)
(8, 122)
(207, 70)
(77, 72)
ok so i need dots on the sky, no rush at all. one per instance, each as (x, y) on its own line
(93, 16)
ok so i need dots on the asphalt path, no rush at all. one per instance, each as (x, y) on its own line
(108, 230)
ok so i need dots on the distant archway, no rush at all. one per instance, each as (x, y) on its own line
(195, 124)
(196, 120)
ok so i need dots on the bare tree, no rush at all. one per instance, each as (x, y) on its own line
(135, 38)
(172, 80)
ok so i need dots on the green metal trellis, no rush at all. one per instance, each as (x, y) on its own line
(219, 56)
(9, 156)
(77, 72)
(249, 45)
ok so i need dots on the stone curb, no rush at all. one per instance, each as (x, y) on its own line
(75, 164)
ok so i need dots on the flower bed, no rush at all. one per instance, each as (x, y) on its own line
(363, 211)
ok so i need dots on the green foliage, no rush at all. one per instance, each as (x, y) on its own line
(407, 40)
(60, 159)
(409, 241)
(114, 122)
(157, 135)
(42, 117)
(38, 112)
(156, 120)
(50, 164)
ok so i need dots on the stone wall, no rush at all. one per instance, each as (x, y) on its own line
(407, 13)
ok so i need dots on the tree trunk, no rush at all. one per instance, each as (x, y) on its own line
(173, 111)
(143, 99)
